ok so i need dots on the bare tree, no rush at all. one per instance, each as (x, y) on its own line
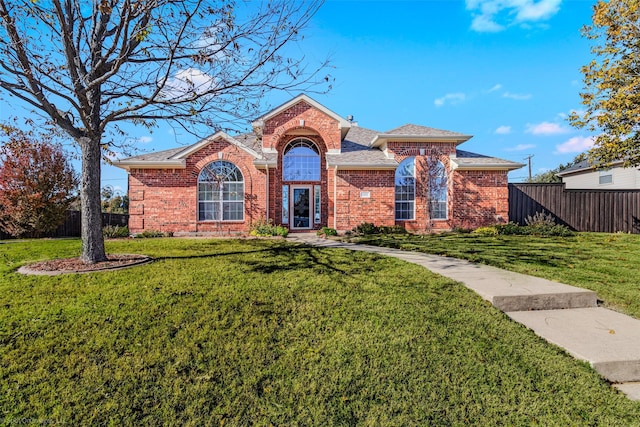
(433, 178)
(86, 68)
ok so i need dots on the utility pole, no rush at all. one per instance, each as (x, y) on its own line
(528, 159)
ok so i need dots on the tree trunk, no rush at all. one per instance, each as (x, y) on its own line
(91, 209)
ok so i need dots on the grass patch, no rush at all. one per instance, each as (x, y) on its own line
(263, 332)
(605, 263)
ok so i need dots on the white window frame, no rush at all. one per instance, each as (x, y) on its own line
(218, 199)
(412, 200)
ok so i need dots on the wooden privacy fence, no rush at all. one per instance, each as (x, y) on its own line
(605, 211)
(71, 225)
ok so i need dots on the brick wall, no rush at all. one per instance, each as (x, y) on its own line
(166, 199)
(364, 196)
(289, 121)
(480, 198)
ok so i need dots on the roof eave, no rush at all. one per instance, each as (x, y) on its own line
(487, 166)
(265, 164)
(150, 164)
(383, 138)
(361, 166)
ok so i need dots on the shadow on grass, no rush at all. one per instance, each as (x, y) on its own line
(293, 256)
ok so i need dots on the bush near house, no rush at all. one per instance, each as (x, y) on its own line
(115, 231)
(263, 228)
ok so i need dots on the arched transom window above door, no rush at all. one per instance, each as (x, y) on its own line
(301, 161)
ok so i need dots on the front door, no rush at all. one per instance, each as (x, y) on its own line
(301, 208)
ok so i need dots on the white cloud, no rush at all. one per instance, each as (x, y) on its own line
(485, 24)
(188, 82)
(144, 139)
(450, 98)
(521, 147)
(495, 88)
(503, 130)
(497, 15)
(517, 96)
(577, 144)
(531, 11)
(546, 128)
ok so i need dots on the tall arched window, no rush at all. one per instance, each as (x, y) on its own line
(406, 189)
(438, 191)
(220, 192)
(301, 161)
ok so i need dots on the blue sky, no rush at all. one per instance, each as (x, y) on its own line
(505, 71)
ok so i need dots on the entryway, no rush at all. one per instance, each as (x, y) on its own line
(301, 208)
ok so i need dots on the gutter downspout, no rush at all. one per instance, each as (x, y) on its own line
(335, 197)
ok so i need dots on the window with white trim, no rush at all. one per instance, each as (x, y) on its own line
(220, 192)
(605, 177)
(405, 189)
(301, 161)
(438, 191)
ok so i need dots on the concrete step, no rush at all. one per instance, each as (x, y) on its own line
(608, 340)
(506, 290)
(511, 291)
(632, 390)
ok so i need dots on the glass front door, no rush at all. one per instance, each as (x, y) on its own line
(301, 208)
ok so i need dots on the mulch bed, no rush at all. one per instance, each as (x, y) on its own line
(75, 265)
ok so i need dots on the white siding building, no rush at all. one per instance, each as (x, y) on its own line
(585, 176)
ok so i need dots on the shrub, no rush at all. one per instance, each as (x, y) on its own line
(510, 228)
(490, 230)
(461, 230)
(542, 224)
(327, 231)
(115, 231)
(394, 229)
(263, 228)
(153, 233)
(365, 229)
(540, 219)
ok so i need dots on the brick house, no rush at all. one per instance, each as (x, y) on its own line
(306, 167)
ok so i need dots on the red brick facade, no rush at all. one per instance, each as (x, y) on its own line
(166, 199)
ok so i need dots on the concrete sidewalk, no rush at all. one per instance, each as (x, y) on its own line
(563, 315)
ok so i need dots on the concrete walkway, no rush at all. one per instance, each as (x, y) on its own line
(563, 315)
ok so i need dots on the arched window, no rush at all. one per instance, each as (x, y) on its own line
(220, 192)
(406, 189)
(438, 191)
(301, 161)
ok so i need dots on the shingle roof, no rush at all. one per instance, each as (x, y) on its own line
(416, 130)
(469, 159)
(158, 156)
(355, 150)
(583, 165)
(360, 148)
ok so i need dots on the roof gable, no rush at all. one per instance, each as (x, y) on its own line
(218, 135)
(343, 124)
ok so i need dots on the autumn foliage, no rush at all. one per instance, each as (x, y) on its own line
(37, 184)
(611, 93)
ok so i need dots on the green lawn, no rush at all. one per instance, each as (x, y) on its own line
(263, 332)
(606, 263)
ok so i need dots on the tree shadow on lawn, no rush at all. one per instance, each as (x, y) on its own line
(297, 256)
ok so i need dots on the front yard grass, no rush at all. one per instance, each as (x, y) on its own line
(264, 332)
(605, 263)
